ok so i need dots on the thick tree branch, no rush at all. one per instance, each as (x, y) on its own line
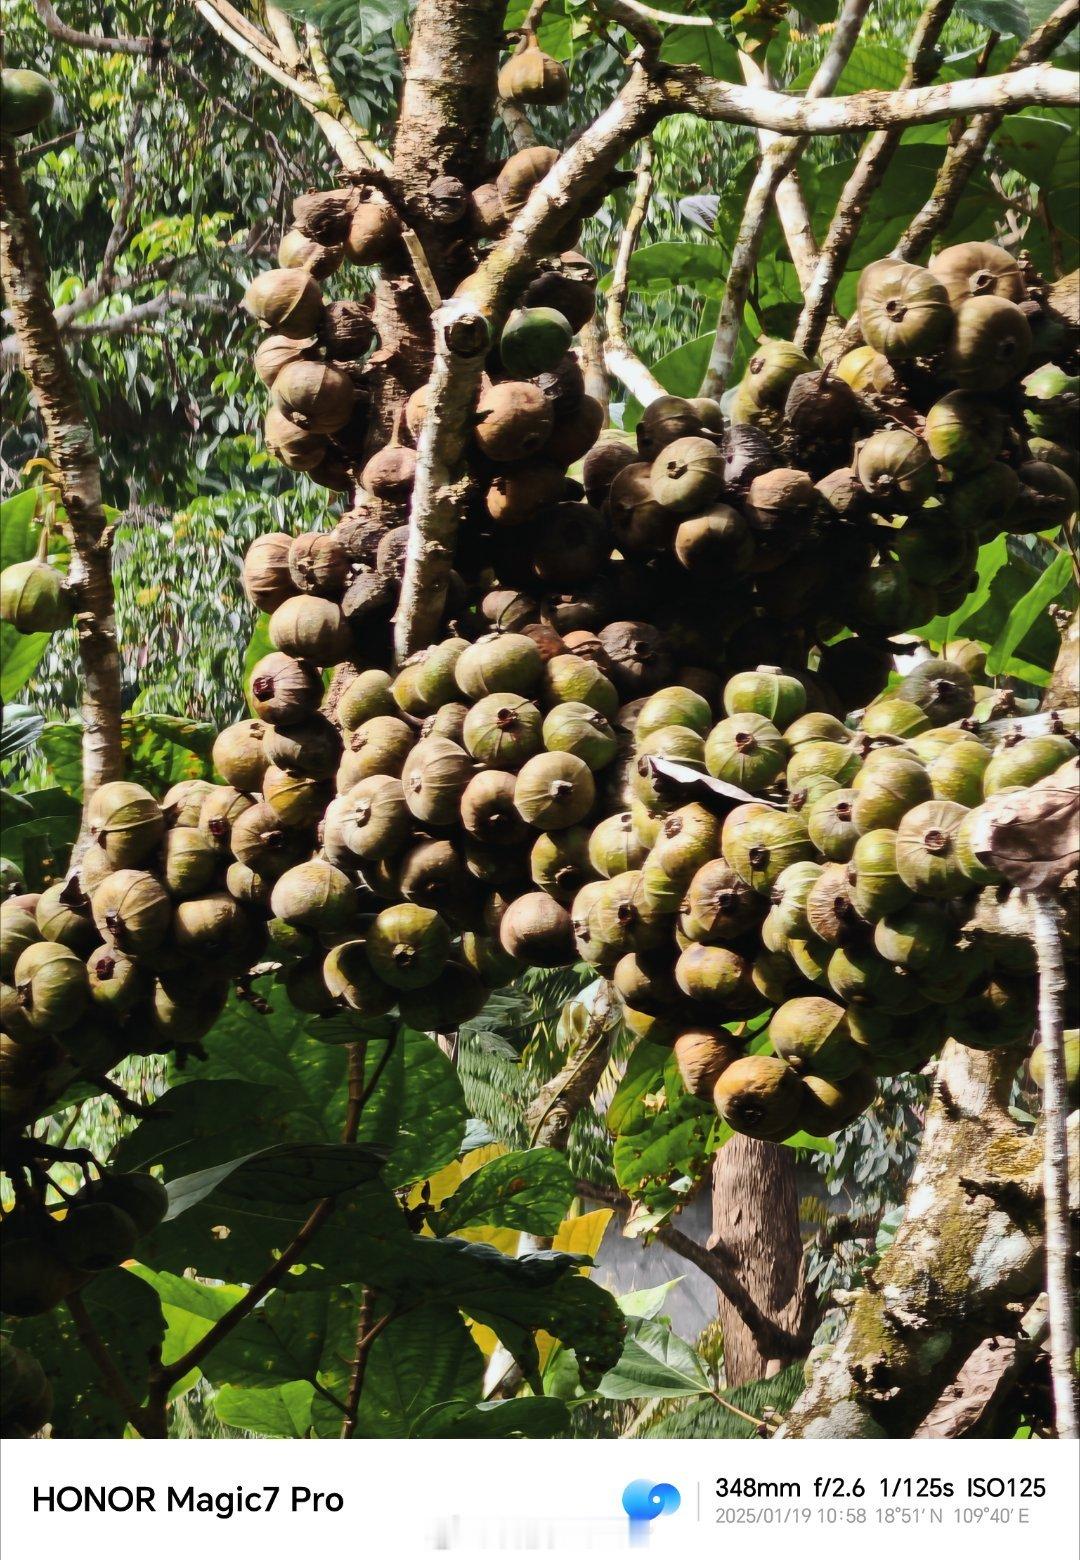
(45, 365)
(777, 167)
(772, 1340)
(462, 340)
(1046, 936)
(866, 177)
(687, 91)
(284, 36)
(551, 1115)
(623, 363)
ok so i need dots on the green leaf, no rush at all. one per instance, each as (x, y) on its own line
(1008, 17)
(538, 1418)
(278, 1412)
(993, 557)
(258, 646)
(204, 1123)
(18, 533)
(702, 46)
(644, 1074)
(39, 829)
(20, 729)
(277, 1050)
(1031, 606)
(159, 750)
(706, 1418)
(126, 1314)
(431, 1114)
(423, 1358)
(647, 1303)
(677, 263)
(20, 657)
(288, 1173)
(528, 1190)
(515, 1296)
(1031, 142)
(655, 1363)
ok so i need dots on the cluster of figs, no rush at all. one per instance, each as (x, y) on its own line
(633, 744)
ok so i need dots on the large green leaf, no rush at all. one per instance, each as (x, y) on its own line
(705, 1418)
(159, 751)
(677, 263)
(424, 1357)
(276, 1050)
(1028, 610)
(1031, 142)
(528, 1190)
(655, 1363)
(430, 1117)
(39, 829)
(538, 1418)
(703, 46)
(288, 1173)
(208, 1122)
(277, 1412)
(203, 1123)
(18, 533)
(1008, 17)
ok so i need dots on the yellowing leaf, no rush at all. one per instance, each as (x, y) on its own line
(584, 1232)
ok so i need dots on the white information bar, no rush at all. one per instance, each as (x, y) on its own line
(178, 1499)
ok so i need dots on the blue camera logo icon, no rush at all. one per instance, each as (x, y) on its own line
(643, 1501)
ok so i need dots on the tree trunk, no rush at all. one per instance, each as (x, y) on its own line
(966, 1257)
(756, 1223)
(71, 446)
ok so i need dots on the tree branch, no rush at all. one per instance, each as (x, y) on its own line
(865, 178)
(154, 48)
(1046, 936)
(778, 162)
(556, 1107)
(967, 154)
(686, 90)
(774, 1341)
(462, 340)
(284, 36)
(45, 365)
(114, 1383)
(621, 362)
(166, 1376)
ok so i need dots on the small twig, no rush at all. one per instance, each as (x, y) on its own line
(725, 1403)
(1046, 937)
(366, 1333)
(114, 1382)
(621, 361)
(128, 1106)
